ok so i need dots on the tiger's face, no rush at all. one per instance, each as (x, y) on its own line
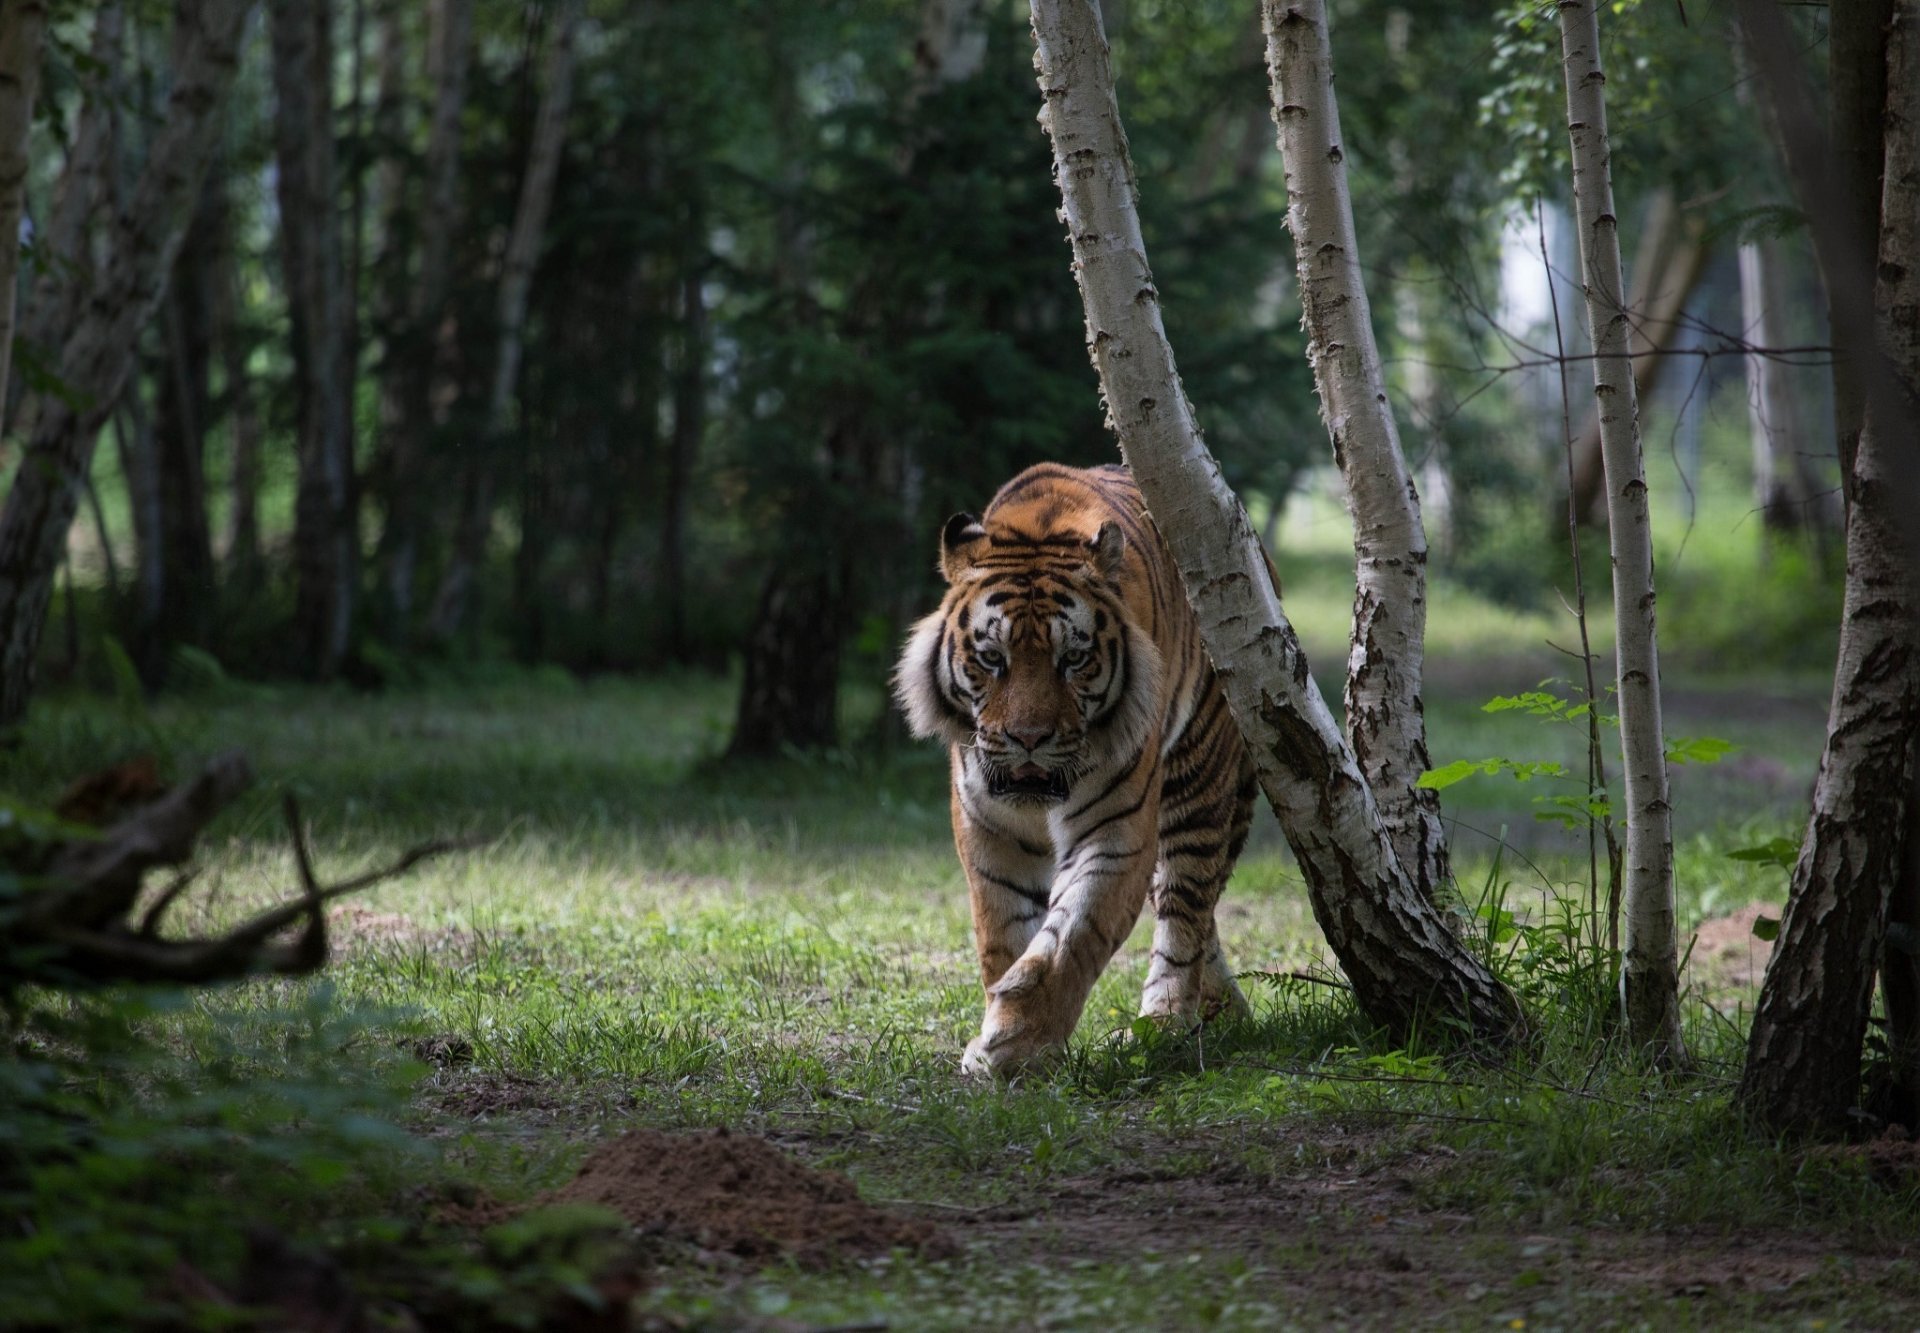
(1033, 665)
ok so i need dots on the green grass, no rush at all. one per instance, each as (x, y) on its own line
(654, 938)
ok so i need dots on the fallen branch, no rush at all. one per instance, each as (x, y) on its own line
(76, 927)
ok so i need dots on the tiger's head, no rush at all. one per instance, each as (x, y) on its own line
(1035, 664)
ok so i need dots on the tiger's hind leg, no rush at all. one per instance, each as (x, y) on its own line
(1205, 815)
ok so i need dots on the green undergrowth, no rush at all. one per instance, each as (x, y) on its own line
(652, 938)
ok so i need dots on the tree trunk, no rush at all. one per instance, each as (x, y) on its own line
(244, 572)
(64, 258)
(1405, 965)
(1803, 1054)
(140, 466)
(1856, 99)
(1384, 718)
(951, 48)
(1668, 267)
(1856, 867)
(689, 425)
(1898, 301)
(183, 411)
(97, 350)
(415, 329)
(1649, 973)
(790, 696)
(23, 26)
(450, 603)
(325, 543)
(1783, 490)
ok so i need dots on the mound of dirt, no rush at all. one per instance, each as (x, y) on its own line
(739, 1195)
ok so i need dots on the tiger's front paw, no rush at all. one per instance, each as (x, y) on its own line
(1017, 1035)
(1007, 1052)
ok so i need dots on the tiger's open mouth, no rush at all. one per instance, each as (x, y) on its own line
(1028, 782)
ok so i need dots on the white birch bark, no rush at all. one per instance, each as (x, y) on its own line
(1803, 1052)
(97, 350)
(1649, 971)
(1385, 723)
(23, 26)
(516, 284)
(1403, 961)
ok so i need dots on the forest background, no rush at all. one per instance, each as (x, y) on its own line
(540, 427)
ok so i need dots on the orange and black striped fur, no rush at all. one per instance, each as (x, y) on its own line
(1095, 766)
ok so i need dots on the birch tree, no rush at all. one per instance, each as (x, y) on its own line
(23, 27)
(1403, 961)
(325, 536)
(1385, 723)
(1649, 968)
(1803, 1052)
(516, 281)
(96, 347)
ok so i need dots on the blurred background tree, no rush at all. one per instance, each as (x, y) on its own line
(799, 294)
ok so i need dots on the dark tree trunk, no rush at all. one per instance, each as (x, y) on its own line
(244, 571)
(97, 346)
(325, 542)
(23, 28)
(1856, 101)
(415, 324)
(689, 425)
(452, 600)
(1803, 1053)
(140, 465)
(183, 412)
(790, 697)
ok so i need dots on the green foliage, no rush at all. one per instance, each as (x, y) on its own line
(123, 1155)
(1782, 852)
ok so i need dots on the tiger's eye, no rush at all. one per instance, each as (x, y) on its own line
(1075, 658)
(991, 659)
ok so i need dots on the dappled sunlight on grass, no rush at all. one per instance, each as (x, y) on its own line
(654, 936)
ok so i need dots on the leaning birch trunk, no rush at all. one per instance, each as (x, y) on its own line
(325, 545)
(96, 352)
(23, 24)
(1385, 722)
(1803, 1053)
(1649, 969)
(1403, 961)
(516, 283)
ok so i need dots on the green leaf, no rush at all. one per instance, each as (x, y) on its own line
(1773, 852)
(1438, 779)
(1697, 749)
(1766, 928)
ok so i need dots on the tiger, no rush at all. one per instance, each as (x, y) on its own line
(1095, 766)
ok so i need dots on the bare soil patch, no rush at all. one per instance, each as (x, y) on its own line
(737, 1197)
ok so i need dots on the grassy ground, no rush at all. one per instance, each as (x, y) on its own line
(653, 939)
(656, 940)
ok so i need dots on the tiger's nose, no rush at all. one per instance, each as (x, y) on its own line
(1031, 737)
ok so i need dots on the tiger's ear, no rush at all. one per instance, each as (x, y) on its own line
(1106, 547)
(957, 541)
